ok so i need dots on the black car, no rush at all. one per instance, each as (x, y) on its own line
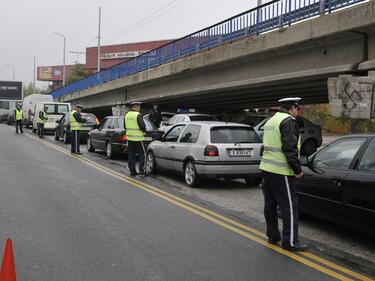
(110, 136)
(339, 183)
(63, 127)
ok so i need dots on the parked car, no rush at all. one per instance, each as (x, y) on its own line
(28, 106)
(339, 182)
(311, 134)
(110, 136)
(216, 149)
(4, 115)
(55, 111)
(187, 117)
(63, 127)
(165, 116)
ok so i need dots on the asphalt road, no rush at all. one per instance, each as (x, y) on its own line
(71, 219)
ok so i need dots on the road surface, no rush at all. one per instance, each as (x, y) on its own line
(72, 219)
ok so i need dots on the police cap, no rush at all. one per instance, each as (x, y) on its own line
(289, 102)
(135, 103)
(79, 106)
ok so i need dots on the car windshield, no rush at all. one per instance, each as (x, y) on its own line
(232, 134)
(253, 120)
(91, 118)
(202, 118)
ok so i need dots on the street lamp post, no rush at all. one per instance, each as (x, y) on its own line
(64, 73)
(13, 69)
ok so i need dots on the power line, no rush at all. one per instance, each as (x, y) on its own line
(166, 8)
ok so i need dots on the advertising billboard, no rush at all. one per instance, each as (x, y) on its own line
(50, 73)
(11, 91)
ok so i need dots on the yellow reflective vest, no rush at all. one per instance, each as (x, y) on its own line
(274, 160)
(19, 114)
(74, 124)
(133, 132)
(44, 117)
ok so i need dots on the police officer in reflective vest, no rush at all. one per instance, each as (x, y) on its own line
(18, 116)
(76, 121)
(135, 129)
(42, 118)
(281, 167)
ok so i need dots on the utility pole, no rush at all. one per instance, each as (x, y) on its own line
(13, 70)
(34, 76)
(99, 55)
(64, 73)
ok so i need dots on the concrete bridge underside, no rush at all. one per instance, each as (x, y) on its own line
(256, 71)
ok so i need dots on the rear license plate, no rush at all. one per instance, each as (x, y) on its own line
(238, 152)
(148, 139)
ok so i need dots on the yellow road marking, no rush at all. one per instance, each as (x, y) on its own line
(210, 215)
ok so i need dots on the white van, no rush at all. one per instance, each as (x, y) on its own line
(55, 110)
(28, 106)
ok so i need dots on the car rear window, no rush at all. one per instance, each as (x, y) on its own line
(232, 134)
(119, 123)
(202, 118)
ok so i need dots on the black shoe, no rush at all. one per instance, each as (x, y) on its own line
(297, 247)
(133, 174)
(273, 241)
(142, 174)
(79, 153)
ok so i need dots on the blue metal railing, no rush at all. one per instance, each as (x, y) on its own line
(264, 18)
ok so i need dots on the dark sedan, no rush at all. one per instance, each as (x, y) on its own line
(110, 136)
(63, 127)
(339, 183)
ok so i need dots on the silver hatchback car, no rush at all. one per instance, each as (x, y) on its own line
(205, 148)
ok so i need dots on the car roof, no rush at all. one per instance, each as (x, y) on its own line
(356, 136)
(194, 114)
(214, 123)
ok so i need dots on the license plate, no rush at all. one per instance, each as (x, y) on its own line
(241, 152)
(148, 139)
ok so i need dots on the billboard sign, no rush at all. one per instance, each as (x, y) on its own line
(11, 91)
(121, 55)
(50, 73)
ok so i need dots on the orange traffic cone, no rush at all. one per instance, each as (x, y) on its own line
(8, 270)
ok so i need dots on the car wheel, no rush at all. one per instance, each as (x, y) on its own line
(150, 163)
(90, 148)
(254, 181)
(66, 138)
(309, 147)
(109, 151)
(56, 136)
(191, 175)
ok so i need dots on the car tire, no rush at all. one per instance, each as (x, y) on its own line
(56, 136)
(90, 148)
(254, 181)
(66, 138)
(109, 151)
(309, 147)
(190, 174)
(150, 165)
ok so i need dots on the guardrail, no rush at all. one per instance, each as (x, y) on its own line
(264, 18)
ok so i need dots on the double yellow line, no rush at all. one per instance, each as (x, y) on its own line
(309, 259)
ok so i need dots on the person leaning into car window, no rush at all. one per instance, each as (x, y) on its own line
(42, 118)
(281, 166)
(76, 121)
(135, 129)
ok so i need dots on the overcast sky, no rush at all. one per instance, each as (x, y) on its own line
(27, 26)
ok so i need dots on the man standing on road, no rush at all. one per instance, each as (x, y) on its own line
(18, 116)
(155, 116)
(42, 118)
(281, 167)
(76, 121)
(135, 128)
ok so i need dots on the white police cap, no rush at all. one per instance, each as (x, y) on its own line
(80, 106)
(290, 101)
(135, 103)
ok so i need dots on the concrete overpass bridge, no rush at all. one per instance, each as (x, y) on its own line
(283, 48)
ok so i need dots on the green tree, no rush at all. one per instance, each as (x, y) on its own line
(29, 90)
(79, 72)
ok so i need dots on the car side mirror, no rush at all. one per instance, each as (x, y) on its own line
(164, 123)
(159, 138)
(305, 161)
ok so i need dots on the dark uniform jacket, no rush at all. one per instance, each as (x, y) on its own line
(289, 130)
(155, 117)
(77, 115)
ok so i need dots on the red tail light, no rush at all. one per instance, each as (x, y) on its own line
(211, 150)
(123, 138)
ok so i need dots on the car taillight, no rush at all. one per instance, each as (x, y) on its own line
(211, 150)
(123, 138)
(97, 121)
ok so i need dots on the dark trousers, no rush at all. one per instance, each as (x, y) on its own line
(19, 125)
(134, 148)
(41, 130)
(280, 191)
(75, 140)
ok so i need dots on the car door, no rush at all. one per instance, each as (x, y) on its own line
(98, 135)
(321, 188)
(359, 189)
(166, 153)
(185, 145)
(107, 132)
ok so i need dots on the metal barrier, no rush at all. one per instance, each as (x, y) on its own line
(264, 18)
